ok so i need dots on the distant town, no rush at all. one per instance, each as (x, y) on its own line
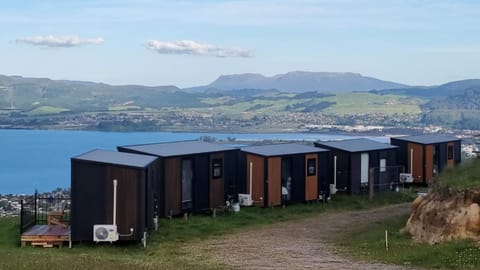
(10, 204)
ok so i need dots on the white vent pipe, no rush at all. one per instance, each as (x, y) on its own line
(251, 178)
(335, 171)
(115, 202)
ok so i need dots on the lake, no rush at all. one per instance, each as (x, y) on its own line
(40, 159)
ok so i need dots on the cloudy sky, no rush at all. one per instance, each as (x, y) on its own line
(188, 43)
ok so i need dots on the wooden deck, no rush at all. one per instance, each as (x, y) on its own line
(46, 235)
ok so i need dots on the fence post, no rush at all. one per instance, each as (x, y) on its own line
(35, 206)
(21, 216)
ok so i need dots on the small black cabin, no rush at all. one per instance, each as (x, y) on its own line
(355, 161)
(92, 176)
(195, 175)
(424, 156)
(283, 173)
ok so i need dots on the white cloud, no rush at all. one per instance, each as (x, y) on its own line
(60, 41)
(194, 48)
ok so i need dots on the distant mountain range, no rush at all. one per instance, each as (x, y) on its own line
(452, 104)
(301, 81)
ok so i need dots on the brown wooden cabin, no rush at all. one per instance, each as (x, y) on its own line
(92, 176)
(359, 159)
(424, 156)
(282, 173)
(195, 175)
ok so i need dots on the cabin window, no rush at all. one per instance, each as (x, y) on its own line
(450, 152)
(217, 168)
(311, 166)
(383, 165)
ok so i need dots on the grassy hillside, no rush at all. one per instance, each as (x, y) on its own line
(169, 247)
(463, 177)
(357, 103)
(368, 243)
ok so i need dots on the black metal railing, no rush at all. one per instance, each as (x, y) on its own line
(35, 210)
(27, 213)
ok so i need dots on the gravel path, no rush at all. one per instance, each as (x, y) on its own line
(299, 244)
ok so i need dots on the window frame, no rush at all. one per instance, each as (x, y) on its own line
(309, 165)
(217, 168)
(382, 165)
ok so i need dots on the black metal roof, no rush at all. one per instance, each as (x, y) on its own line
(116, 158)
(181, 148)
(282, 149)
(428, 139)
(356, 145)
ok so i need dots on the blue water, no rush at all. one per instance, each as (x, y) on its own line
(40, 159)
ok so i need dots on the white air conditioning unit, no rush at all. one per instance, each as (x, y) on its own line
(406, 178)
(105, 233)
(245, 199)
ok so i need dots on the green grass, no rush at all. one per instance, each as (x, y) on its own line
(463, 177)
(368, 243)
(169, 247)
(367, 103)
(46, 110)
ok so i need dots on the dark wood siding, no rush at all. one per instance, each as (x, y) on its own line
(355, 171)
(401, 154)
(130, 200)
(172, 185)
(92, 199)
(242, 169)
(428, 163)
(274, 181)
(298, 178)
(217, 185)
(159, 183)
(417, 171)
(88, 200)
(457, 152)
(258, 179)
(343, 169)
(201, 182)
(311, 182)
(232, 174)
(325, 168)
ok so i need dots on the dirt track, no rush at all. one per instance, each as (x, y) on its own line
(300, 244)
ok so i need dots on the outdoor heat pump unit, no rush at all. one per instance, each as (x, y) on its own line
(406, 178)
(108, 232)
(105, 233)
(245, 199)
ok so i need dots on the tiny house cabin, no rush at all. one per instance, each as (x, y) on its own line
(195, 175)
(424, 156)
(93, 199)
(282, 173)
(357, 161)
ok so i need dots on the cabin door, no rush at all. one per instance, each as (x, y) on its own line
(187, 184)
(286, 179)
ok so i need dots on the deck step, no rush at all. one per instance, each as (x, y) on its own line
(44, 244)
